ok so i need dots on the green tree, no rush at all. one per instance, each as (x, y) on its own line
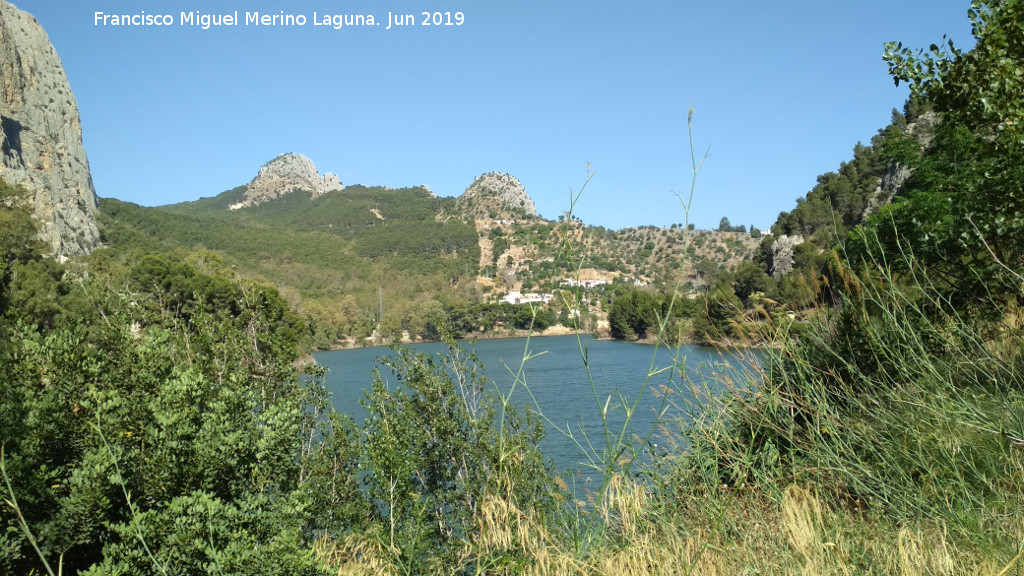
(980, 88)
(632, 314)
(749, 279)
(715, 319)
(962, 215)
(19, 241)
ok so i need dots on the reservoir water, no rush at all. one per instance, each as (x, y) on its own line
(555, 382)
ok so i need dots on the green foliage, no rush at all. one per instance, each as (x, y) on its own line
(980, 88)
(894, 362)
(838, 200)
(962, 213)
(35, 288)
(716, 315)
(749, 279)
(167, 413)
(156, 425)
(334, 255)
(435, 443)
(153, 423)
(901, 399)
(418, 240)
(199, 533)
(632, 314)
(726, 226)
(326, 249)
(332, 320)
(19, 243)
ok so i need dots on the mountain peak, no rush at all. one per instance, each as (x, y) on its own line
(285, 174)
(497, 193)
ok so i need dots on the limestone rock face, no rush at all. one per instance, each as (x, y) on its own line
(499, 193)
(896, 174)
(41, 135)
(285, 174)
(781, 256)
(891, 184)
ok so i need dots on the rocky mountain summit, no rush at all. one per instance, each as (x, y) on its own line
(285, 174)
(41, 135)
(497, 195)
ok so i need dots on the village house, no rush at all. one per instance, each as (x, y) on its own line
(584, 283)
(515, 297)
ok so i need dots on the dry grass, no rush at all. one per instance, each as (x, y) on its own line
(799, 535)
(513, 537)
(355, 555)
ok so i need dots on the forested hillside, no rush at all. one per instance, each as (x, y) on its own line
(342, 257)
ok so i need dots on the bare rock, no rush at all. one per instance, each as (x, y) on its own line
(41, 135)
(286, 174)
(781, 256)
(924, 126)
(896, 174)
(499, 194)
(891, 184)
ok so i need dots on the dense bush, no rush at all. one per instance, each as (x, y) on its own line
(165, 412)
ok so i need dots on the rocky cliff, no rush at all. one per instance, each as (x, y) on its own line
(497, 195)
(41, 135)
(285, 174)
(896, 174)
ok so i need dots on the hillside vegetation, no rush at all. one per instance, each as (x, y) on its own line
(432, 262)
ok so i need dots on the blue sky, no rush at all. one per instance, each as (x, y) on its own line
(781, 90)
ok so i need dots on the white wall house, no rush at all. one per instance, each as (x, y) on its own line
(584, 283)
(515, 297)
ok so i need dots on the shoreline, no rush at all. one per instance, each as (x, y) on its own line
(495, 335)
(307, 357)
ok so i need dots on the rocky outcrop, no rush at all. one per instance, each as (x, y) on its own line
(896, 174)
(497, 194)
(285, 174)
(924, 126)
(892, 181)
(41, 135)
(781, 256)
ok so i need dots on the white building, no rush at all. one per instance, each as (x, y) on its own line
(516, 297)
(584, 283)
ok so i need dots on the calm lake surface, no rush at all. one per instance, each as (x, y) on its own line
(556, 375)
